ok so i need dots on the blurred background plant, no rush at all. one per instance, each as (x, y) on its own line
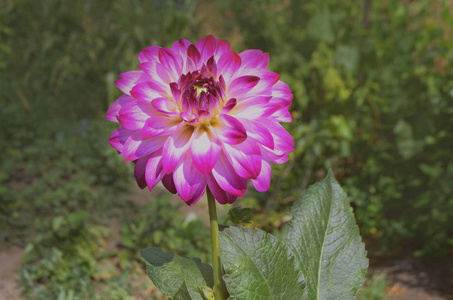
(373, 99)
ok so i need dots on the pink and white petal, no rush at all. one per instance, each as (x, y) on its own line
(227, 178)
(136, 147)
(254, 59)
(164, 105)
(114, 109)
(212, 67)
(170, 61)
(149, 68)
(176, 146)
(263, 181)
(134, 114)
(267, 80)
(205, 150)
(180, 46)
(176, 93)
(279, 113)
(166, 76)
(252, 109)
(220, 195)
(194, 54)
(160, 126)
(206, 46)
(258, 132)
(241, 86)
(189, 182)
(229, 129)
(282, 90)
(119, 137)
(139, 171)
(245, 158)
(275, 156)
(150, 90)
(222, 48)
(149, 54)
(282, 139)
(228, 65)
(128, 81)
(168, 183)
(154, 170)
(229, 106)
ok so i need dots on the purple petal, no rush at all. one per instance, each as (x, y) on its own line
(149, 54)
(154, 170)
(222, 48)
(189, 182)
(212, 66)
(205, 150)
(139, 171)
(158, 126)
(164, 105)
(176, 93)
(263, 181)
(252, 109)
(282, 90)
(220, 195)
(258, 132)
(245, 158)
(227, 178)
(113, 110)
(241, 86)
(229, 129)
(134, 114)
(168, 183)
(194, 54)
(282, 139)
(176, 146)
(166, 75)
(180, 46)
(254, 59)
(206, 47)
(278, 112)
(275, 156)
(119, 137)
(267, 81)
(228, 65)
(128, 80)
(169, 61)
(136, 147)
(229, 105)
(150, 90)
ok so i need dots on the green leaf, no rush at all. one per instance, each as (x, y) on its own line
(325, 241)
(258, 266)
(176, 276)
(238, 215)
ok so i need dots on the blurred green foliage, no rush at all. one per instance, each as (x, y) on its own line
(373, 87)
(373, 99)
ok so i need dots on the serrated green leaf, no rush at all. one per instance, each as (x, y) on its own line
(238, 215)
(183, 293)
(258, 266)
(325, 241)
(177, 276)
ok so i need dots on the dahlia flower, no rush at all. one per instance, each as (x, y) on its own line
(201, 115)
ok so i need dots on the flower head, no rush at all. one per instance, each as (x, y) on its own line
(198, 115)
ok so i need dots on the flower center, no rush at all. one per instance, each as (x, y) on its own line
(200, 91)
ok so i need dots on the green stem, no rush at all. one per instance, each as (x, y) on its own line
(218, 282)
